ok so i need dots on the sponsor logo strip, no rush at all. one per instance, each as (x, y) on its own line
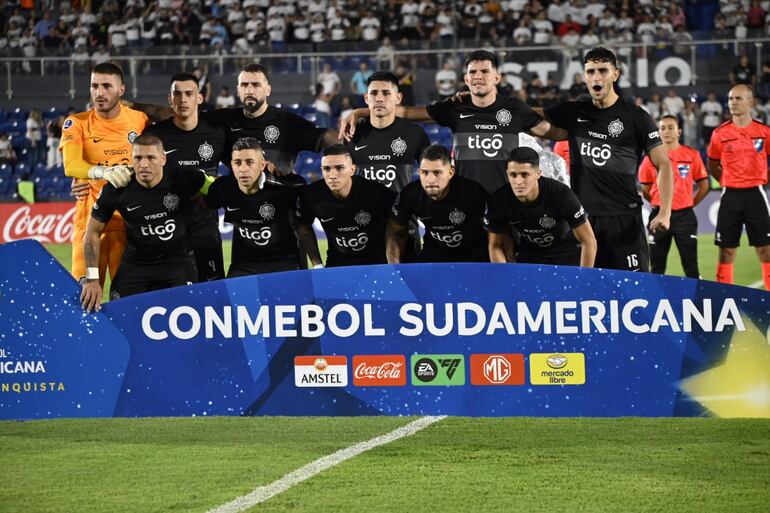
(438, 369)
(497, 369)
(557, 369)
(320, 371)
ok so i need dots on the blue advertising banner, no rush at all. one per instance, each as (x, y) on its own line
(457, 339)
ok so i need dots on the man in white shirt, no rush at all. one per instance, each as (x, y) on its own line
(446, 81)
(673, 103)
(711, 115)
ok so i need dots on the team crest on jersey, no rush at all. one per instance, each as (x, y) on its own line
(171, 201)
(456, 217)
(684, 170)
(267, 211)
(615, 128)
(759, 145)
(547, 222)
(363, 217)
(67, 124)
(398, 146)
(132, 136)
(503, 117)
(272, 133)
(206, 151)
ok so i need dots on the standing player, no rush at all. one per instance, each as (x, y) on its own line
(607, 136)
(451, 208)
(688, 169)
(194, 143)
(96, 146)
(485, 127)
(153, 205)
(353, 212)
(384, 147)
(552, 223)
(260, 208)
(737, 157)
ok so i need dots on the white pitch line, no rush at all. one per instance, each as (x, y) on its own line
(757, 284)
(263, 493)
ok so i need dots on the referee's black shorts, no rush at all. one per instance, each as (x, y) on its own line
(621, 242)
(739, 207)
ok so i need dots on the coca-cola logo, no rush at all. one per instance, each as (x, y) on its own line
(388, 370)
(379, 370)
(45, 223)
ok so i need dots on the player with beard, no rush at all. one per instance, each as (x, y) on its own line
(485, 125)
(260, 207)
(194, 143)
(384, 147)
(352, 210)
(553, 225)
(153, 206)
(607, 137)
(451, 208)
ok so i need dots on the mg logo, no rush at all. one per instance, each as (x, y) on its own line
(497, 369)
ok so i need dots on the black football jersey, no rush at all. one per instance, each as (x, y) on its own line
(156, 227)
(354, 226)
(201, 148)
(483, 137)
(606, 147)
(261, 221)
(453, 226)
(545, 225)
(388, 155)
(282, 134)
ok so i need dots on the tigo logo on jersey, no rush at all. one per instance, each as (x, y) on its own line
(438, 369)
(497, 369)
(557, 369)
(321, 371)
(381, 370)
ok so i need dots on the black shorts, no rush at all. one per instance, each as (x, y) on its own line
(621, 242)
(572, 258)
(269, 266)
(740, 207)
(137, 277)
(207, 248)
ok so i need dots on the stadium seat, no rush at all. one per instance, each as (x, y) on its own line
(19, 114)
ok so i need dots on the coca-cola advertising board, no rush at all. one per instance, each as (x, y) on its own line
(43, 222)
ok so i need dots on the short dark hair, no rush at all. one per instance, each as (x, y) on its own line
(382, 76)
(437, 152)
(148, 140)
(256, 68)
(185, 77)
(600, 54)
(524, 155)
(246, 143)
(108, 68)
(336, 149)
(670, 116)
(481, 55)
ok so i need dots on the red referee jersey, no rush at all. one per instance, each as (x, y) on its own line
(743, 153)
(687, 167)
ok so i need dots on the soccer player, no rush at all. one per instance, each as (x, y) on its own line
(737, 157)
(553, 225)
(153, 206)
(451, 208)
(687, 167)
(485, 126)
(353, 212)
(607, 136)
(194, 143)
(384, 147)
(96, 146)
(260, 206)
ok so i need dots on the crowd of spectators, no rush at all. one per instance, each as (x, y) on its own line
(93, 33)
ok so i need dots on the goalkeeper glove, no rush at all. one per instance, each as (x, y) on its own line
(118, 176)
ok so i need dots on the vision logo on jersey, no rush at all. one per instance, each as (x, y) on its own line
(272, 133)
(684, 170)
(398, 146)
(497, 369)
(759, 145)
(438, 369)
(320, 371)
(557, 369)
(206, 151)
(503, 117)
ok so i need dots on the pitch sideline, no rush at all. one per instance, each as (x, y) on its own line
(263, 493)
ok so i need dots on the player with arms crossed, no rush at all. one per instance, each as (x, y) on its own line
(353, 212)
(553, 225)
(607, 137)
(687, 167)
(153, 206)
(260, 207)
(96, 146)
(737, 157)
(451, 208)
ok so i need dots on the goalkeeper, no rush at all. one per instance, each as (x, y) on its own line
(96, 145)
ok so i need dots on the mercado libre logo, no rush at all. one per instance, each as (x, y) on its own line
(20, 375)
(438, 369)
(557, 368)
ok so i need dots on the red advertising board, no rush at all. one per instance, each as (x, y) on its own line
(44, 222)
